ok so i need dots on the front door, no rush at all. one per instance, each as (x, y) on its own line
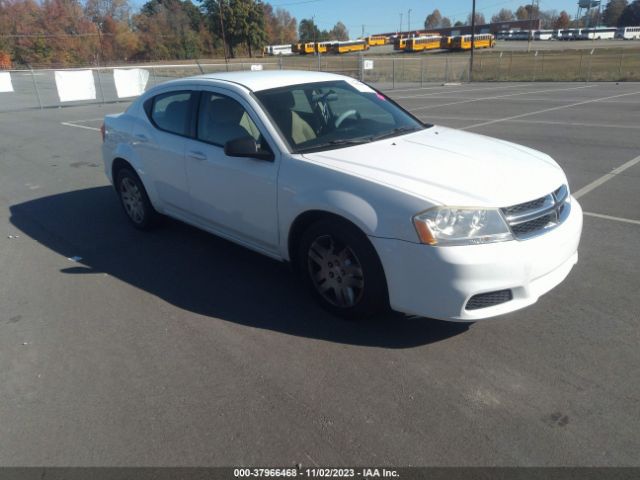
(234, 196)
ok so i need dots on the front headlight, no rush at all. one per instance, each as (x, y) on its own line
(461, 226)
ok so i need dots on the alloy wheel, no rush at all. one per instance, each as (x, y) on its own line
(335, 271)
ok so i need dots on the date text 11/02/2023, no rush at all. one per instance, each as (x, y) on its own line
(315, 472)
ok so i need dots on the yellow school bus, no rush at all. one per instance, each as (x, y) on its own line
(418, 44)
(463, 42)
(323, 47)
(307, 48)
(375, 40)
(400, 42)
(445, 42)
(350, 46)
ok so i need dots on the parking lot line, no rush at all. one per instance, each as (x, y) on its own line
(545, 122)
(605, 178)
(68, 124)
(609, 217)
(457, 91)
(493, 87)
(500, 96)
(515, 117)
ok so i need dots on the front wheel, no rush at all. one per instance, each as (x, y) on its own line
(342, 269)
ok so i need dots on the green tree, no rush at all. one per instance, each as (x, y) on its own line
(171, 29)
(308, 31)
(613, 12)
(445, 22)
(630, 15)
(244, 23)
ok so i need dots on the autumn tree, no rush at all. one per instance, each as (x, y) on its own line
(563, 21)
(504, 15)
(69, 38)
(433, 20)
(339, 32)
(526, 12)
(480, 20)
(98, 10)
(280, 27)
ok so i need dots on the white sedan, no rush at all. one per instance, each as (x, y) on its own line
(373, 208)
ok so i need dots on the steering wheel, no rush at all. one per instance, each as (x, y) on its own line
(346, 115)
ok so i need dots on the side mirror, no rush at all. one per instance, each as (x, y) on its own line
(246, 147)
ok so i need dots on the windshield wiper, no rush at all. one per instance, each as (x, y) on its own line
(395, 132)
(335, 143)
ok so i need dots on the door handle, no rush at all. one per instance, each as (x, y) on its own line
(142, 138)
(201, 157)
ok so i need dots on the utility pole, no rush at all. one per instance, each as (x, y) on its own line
(409, 21)
(313, 25)
(363, 30)
(400, 31)
(530, 25)
(224, 41)
(473, 39)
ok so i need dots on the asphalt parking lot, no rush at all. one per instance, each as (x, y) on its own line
(175, 347)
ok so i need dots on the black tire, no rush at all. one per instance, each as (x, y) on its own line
(342, 269)
(134, 200)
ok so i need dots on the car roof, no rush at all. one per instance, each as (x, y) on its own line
(268, 79)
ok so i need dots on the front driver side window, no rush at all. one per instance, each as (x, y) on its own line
(221, 119)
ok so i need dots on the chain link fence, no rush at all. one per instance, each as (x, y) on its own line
(26, 88)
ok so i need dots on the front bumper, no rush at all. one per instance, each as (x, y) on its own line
(437, 282)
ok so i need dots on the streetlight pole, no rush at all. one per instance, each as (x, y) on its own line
(224, 41)
(409, 20)
(400, 31)
(473, 39)
(313, 26)
(530, 26)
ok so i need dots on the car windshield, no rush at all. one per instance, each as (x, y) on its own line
(321, 116)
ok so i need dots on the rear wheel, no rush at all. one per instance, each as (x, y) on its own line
(134, 200)
(342, 269)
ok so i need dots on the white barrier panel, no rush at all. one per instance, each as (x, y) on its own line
(75, 85)
(256, 67)
(5, 82)
(130, 82)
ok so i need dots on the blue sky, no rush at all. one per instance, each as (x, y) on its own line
(384, 15)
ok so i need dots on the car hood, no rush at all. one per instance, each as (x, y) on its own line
(450, 167)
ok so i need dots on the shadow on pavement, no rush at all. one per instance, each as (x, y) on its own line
(202, 273)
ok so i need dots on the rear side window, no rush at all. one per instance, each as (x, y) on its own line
(171, 112)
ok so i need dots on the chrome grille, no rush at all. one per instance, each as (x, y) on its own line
(536, 216)
(484, 300)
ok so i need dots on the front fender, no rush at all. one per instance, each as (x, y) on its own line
(377, 210)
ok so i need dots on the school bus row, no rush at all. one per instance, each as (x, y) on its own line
(407, 44)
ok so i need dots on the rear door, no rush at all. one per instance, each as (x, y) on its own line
(160, 140)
